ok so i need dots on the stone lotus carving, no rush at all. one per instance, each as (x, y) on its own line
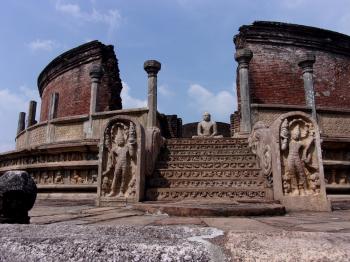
(300, 166)
(118, 175)
(259, 144)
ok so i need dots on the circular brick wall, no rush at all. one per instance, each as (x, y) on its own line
(68, 75)
(274, 74)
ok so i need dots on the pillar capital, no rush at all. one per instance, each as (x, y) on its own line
(243, 57)
(96, 73)
(152, 67)
(306, 62)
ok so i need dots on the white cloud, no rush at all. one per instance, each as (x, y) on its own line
(292, 4)
(11, 103)
(128, 101)
(111, 18)
(42, 45)
(70, 9)
(220, 105)
(165, 91)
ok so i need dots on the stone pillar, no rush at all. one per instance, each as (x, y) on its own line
(243, 57)
(96, 74)
(306, 64)
(53, 106)
(31, 114)
(21, 122)
(152, 68)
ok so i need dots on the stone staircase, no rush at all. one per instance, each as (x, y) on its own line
(206, 169)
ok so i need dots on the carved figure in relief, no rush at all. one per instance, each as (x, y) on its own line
(77, 179)
(300, 169)
(105, 187)
(207, 128)
(58, 178)
(46, 178)
(94, 177)
(123, 150)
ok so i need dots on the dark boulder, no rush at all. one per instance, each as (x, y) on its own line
(17, 196)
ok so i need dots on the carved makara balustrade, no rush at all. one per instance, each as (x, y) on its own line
(260, 144)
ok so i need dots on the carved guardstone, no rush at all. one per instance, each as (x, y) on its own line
(298, 176)
(120, 174)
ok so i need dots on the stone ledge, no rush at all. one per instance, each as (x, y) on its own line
(196, 209)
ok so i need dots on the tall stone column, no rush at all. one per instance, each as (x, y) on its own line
(53, 106)
(21, 122)
(306, 64)
(96, 74)
(31, 114)
(152, 68)
(243, 57)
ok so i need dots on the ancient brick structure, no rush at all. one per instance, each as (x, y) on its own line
(287, 62)
(274, 74)
(68, 76)
(288, 141)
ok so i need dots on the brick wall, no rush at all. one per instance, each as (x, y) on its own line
(274, 75)
(68, 75)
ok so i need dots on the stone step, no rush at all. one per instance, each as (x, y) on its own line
(202, 147)
(207, 141)
(213, 208)
(158, 194)
(340, 202)
(222, 152)
(212, 158)
(206, 165)
(205, 183)
(205, 173)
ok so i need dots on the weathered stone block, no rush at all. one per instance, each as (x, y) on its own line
(17, 196)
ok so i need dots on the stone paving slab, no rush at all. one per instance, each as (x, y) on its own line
(110, 216)
(237, 224)
(288, 246)
(297, 236)
(180, 221)
(107, 243)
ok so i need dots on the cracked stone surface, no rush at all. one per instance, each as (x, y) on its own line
(288, 246)
(79, 231)
(102, 243)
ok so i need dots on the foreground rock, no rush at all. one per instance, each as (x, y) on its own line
(17, 196)
(289, 246)
(107, 243)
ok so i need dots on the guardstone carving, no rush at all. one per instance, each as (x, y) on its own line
(298, 176)
(121, 167)
(300, 167)
(118, 175)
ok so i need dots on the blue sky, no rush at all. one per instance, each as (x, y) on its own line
(191, 38)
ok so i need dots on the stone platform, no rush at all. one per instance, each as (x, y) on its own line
(212, 208)
(78, 231)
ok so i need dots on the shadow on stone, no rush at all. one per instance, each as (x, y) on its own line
(17, 196)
